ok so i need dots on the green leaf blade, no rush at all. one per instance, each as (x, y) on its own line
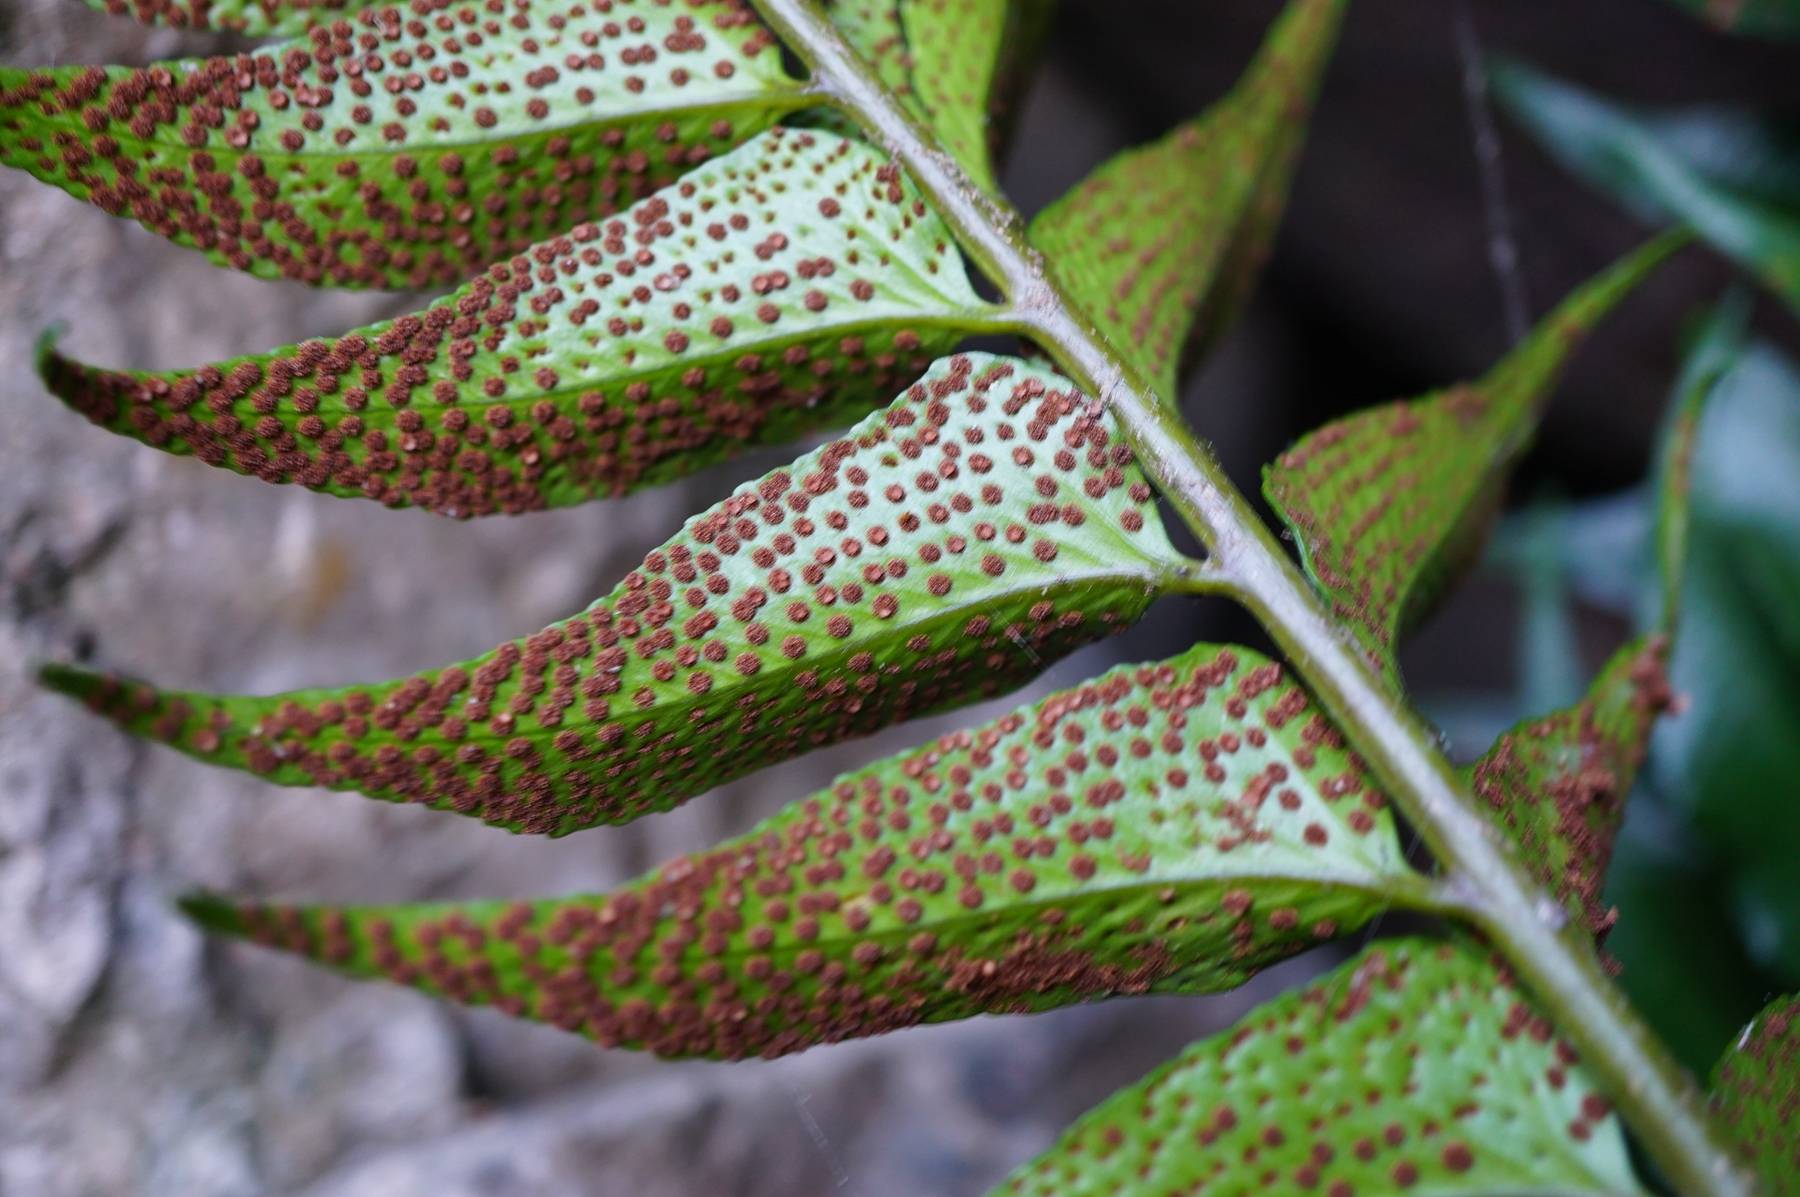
(1389, 503)
(1725, 175)
(395, 153)
(257, 18)
(950, 546)
(1756, 1095)
(1415, 1067)
(1557, 783)
(788, 285)
(1125, 836)
(1161, 244)
(951, 64)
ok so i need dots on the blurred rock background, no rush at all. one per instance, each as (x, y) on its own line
(136, 1058)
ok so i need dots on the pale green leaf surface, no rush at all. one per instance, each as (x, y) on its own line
(945, 549)
(787, 286)
(1161, 243)
(1756, 1095)
(392, 150)
(1417, 1067)
(1734, 182)
(1165, 827)
(1389, 503)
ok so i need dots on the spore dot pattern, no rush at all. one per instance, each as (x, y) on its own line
(945, 549)
(405, 146)
(1558, 783)
(1389, 503)
(1756, 1094)
(1165, 827)
(1417, 1067)
(787, 286)
(260, 18)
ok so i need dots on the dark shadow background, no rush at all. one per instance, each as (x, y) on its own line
(136, 1058)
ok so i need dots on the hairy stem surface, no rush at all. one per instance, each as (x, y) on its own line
(1554, 956)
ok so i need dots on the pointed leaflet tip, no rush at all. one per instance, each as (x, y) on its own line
(1161, 244)
(786, 286)
(1171, 827)
(987, 522)
(328, 160)
(1389, 503)
(213, 912)
(1715, 351)
(1417, 1066)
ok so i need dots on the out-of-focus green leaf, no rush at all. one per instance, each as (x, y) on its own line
(783, 287)
(1714, 353)
(1557, 783)
(1166, 827)
(1733, 182)
(1683, 962)
(1392, 502)
(1162, 243)
(1765, 18)
(944, 549)
(1732, 761)
(1756, 1095)
(1416, 1067)
(1680, 960)
(401, 148)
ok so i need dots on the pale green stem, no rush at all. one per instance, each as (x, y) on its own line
(1493, 888)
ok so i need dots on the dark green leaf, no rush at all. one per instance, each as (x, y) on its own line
(1417, 1067)
(1716, 351)
(1732, 180)
(1681, 962)
(1730, 761)
(1765, 18)
(944, 549)
(1558, 782)
(784, 287)
(391, 150)
(1167, 827)
(1390, 503)
(1162, 243)
(1756, 1095)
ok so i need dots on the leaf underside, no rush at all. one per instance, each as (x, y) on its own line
(944, 549)
(784, 287)
(282, 18)
(1166, 827)
(1416, 1067)
(1728, 175)
(1756, 1095)
(1557, 783)
(1161, 244)
(1389, 503)
(403, 149)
